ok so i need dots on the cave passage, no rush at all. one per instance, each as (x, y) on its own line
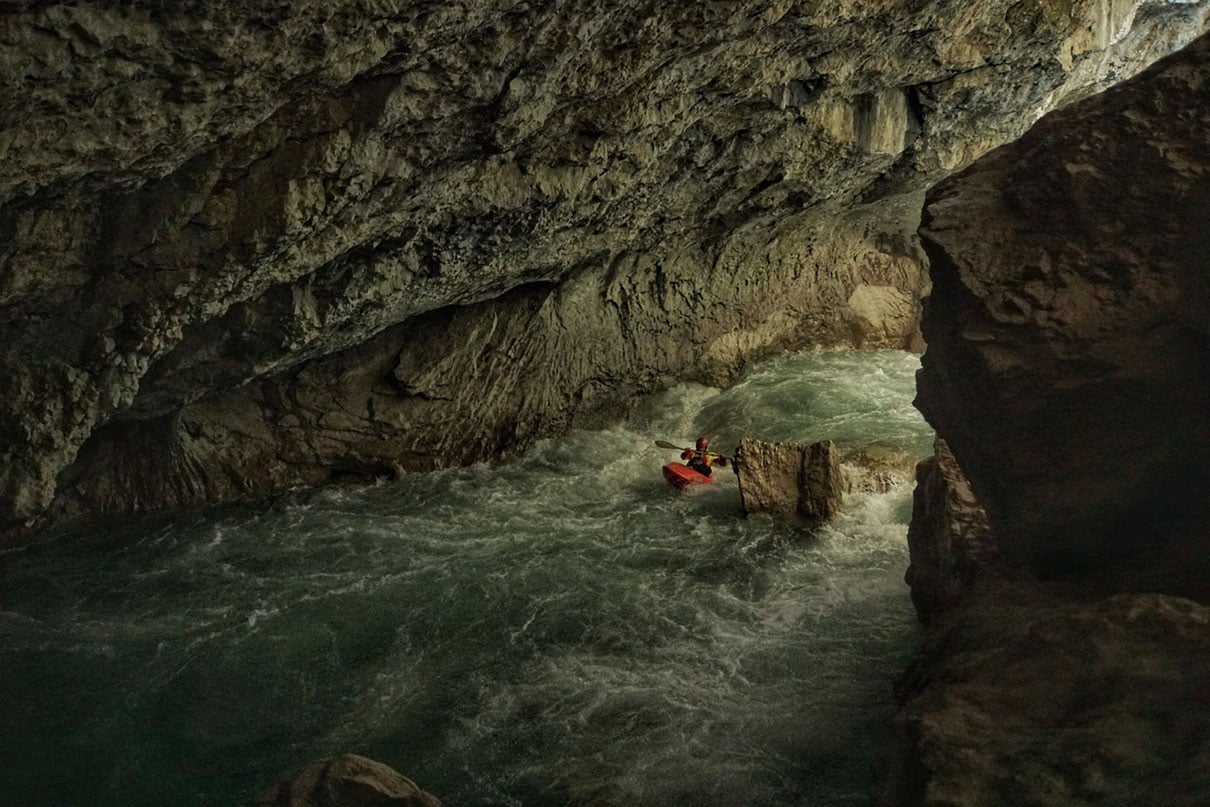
(559, 629)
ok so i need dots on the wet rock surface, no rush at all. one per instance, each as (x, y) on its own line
(251, 246)
(874, 469)
(346, 781)
(791, 479)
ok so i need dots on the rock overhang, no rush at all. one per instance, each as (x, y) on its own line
(206, 201)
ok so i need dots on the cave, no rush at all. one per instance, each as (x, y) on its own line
(330, 331)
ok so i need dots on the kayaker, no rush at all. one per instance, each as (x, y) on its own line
(700, 460)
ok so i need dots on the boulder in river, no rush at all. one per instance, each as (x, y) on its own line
(346, 781)
(790, 479)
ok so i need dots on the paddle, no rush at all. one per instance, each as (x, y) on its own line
(710, 455)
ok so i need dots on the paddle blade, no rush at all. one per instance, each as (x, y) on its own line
(668, 445)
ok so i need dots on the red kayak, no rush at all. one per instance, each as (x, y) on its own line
(680, 475)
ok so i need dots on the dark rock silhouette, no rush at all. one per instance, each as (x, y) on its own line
(346, 781)
(950, 539)
(1067, 372)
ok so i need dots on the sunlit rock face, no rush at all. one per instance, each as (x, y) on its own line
(792, 480)
(252, 245)
(1068, 364)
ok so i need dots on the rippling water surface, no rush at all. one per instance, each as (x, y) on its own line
(562, 629)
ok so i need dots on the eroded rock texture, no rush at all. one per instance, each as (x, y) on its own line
(1068, 364)
(950, 539)
(252, 245)
(1029, 697)
(791, 479)
(1067, 370)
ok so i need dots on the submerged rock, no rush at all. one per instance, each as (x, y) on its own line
(878, 470)
(346, 781)
(805, 481)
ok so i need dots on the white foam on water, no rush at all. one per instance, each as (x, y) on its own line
(563, 627)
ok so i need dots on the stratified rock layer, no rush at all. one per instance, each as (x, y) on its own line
(791, 479)
(1068, 362)
(252, 245)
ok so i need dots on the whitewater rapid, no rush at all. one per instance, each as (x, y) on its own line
(561, 629)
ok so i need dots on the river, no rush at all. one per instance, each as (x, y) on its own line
(559, 629)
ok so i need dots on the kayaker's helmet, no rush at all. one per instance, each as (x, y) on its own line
(702, 443)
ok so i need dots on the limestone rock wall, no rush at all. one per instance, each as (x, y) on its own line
(1068, 362)
(1068, 338)
(207, 209)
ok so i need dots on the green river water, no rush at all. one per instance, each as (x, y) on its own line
(560, 629)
